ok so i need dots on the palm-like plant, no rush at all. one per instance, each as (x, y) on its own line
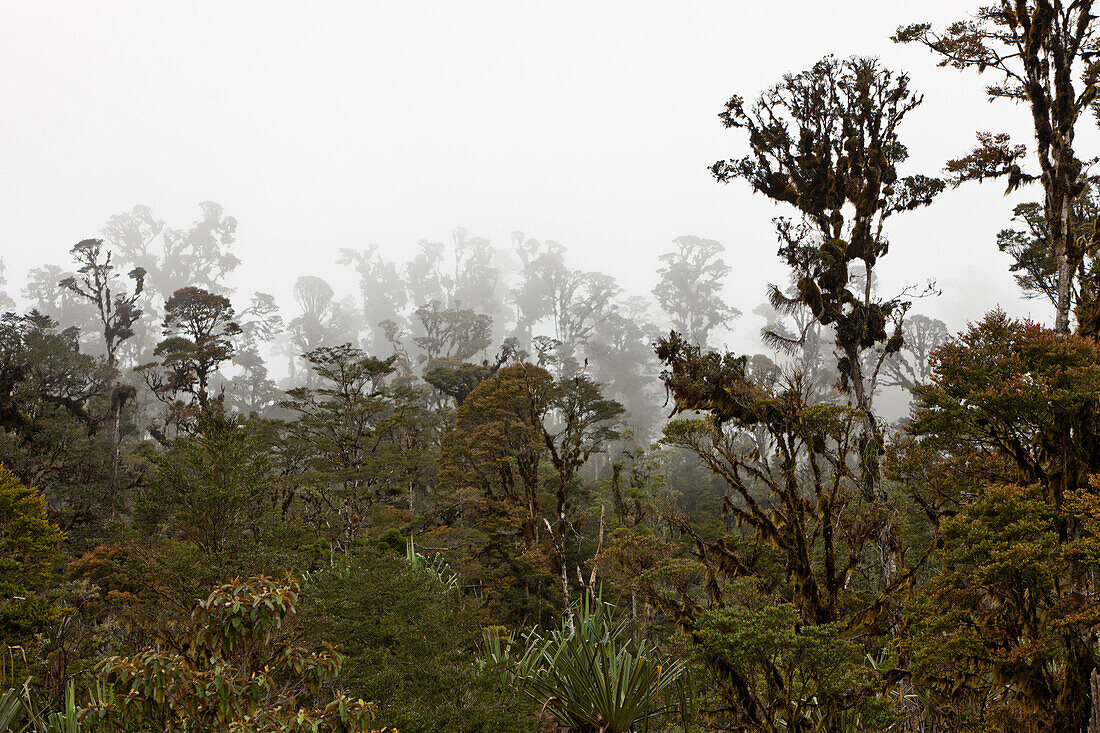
(592, 677)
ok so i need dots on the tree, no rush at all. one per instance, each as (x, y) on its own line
(477, 282)
(1036, 267)
(6, 303)
(621, 356)
(200, 328)
(212, 489)
(252, 390)
(94, 281)
(425, 277)
(490, 489)
(780, 604)
(237, 670)
(911, 365)
(347, 430)
(61, 304)
(384, 294)
(29, 551)
(198, 257)
(323, 322)
(580, 422)
(53, 403)
(690, 287)
(118, 312)
(1045, 51)
(825, 141)
(542, 264)
(452, 333)
(1011, 411)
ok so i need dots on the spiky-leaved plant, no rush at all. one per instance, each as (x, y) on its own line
(592, 677)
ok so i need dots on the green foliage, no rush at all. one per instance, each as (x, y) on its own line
(213, 489)
(591, 677)
(359, 439)
(20, 712)
(29, 552)
(234, 671)
(1007, 624)
(812, 676)
(409, 643)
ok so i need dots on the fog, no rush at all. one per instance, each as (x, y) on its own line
(349, 124)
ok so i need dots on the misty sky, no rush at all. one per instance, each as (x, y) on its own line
(323, 125)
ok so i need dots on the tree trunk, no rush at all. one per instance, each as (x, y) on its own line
(116, 450)
(1062, 236)
(1094, 716)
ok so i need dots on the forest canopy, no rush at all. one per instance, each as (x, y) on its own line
(486, 489)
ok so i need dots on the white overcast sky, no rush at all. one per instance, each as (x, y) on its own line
(322, 125)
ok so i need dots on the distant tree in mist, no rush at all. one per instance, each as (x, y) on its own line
(314, 296)
(542, 265)
(454, 333)
(323, 321)
(60, 304)
(383, 293)
(96, 282)
(912, 364)
(477, 282)
(253, 390)
(426, 277)
(571, 302)
(198, 256)
(6, 303)
(622, 360)
(690, 288)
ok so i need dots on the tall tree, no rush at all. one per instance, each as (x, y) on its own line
(253, 390)
(780, 604)
(61, 304)
(53, 402)
(825, 141)
(384, 294)
(452, 333)
(690, 288)
(95, 282)
(621, 356)
(1046, 53)
(542, 264)
(477, 280)
(490, 491)
(426, 276)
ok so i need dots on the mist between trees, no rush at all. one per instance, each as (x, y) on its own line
(465, 301)
(496, 493)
